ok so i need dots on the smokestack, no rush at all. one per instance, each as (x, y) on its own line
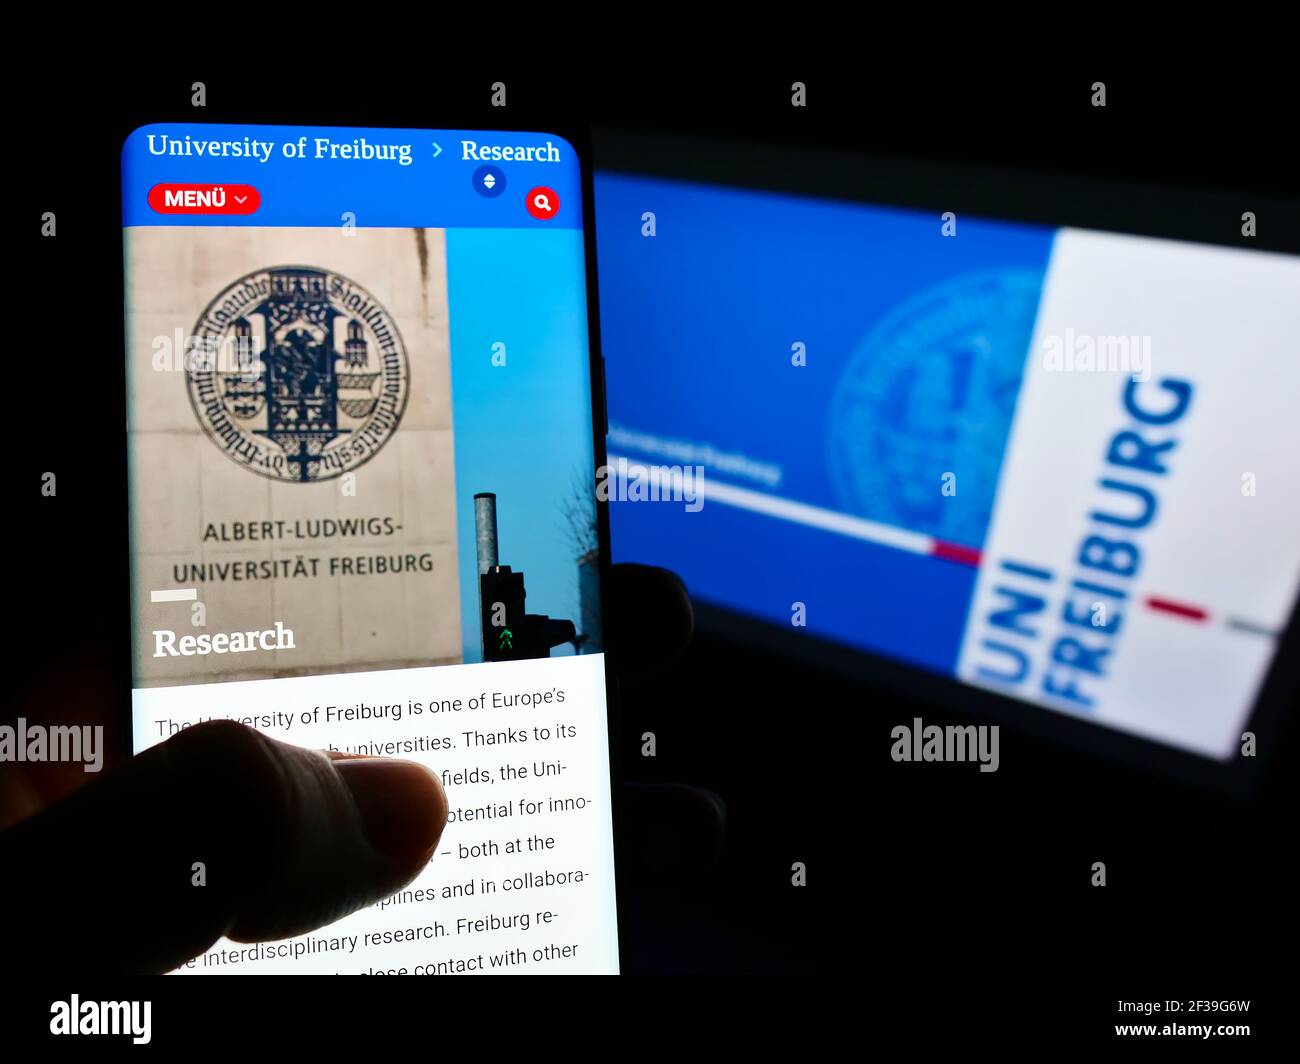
(485, 530)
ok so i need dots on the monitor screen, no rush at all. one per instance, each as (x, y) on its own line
(1055, 463)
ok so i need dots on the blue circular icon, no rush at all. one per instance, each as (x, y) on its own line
(489, 181)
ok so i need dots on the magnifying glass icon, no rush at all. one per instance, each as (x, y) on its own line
(543, 203)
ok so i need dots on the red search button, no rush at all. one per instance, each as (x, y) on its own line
(204, 199)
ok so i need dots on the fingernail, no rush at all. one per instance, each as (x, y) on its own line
(402, 805)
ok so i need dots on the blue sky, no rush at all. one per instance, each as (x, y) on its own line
(522, 430)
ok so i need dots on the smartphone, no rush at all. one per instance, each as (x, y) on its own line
(363, 440)
(991, 439)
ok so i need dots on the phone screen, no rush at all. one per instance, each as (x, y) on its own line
(1053, 463)
(363, 510)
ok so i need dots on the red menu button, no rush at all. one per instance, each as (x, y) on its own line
(204, 199)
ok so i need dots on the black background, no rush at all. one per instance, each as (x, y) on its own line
(939, 884)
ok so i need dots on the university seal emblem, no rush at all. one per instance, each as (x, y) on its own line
(930, 390)
(297, 373)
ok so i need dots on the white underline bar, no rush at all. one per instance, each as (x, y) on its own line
(174, 594)
(802, 513)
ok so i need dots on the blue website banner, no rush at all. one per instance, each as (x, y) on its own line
(322, 176)
(831, 363)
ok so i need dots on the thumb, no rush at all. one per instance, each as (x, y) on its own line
(218, 831)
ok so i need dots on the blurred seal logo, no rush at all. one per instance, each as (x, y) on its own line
(297, 373)
(931, 390)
